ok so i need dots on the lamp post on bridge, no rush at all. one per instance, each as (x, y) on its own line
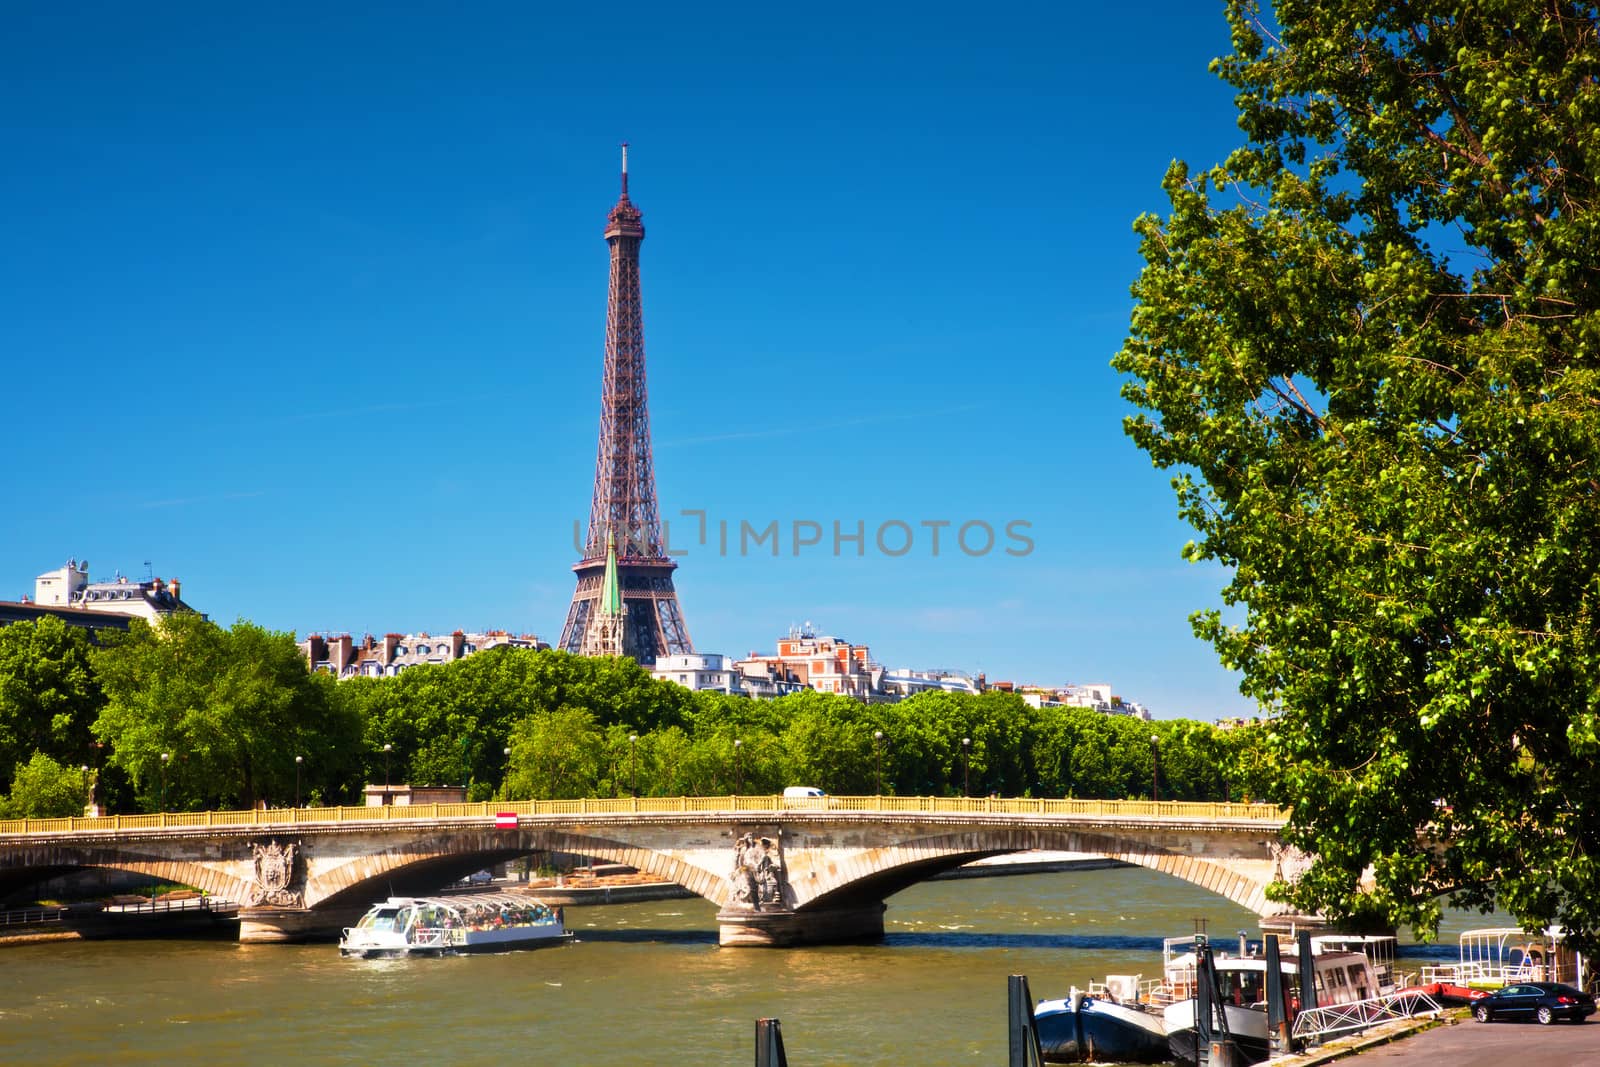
(966, 766)
(738, 767)
(1155, 768)
(94, 777)
(389, 795)
(298, 760)
(165, 756)
(633, 763)
(877, 758)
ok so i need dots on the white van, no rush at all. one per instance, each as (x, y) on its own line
(804, 796)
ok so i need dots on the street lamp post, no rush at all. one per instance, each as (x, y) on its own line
(94, 776)
(1155, 767)
(162, 807)
(298, 760)
(633, 763)
(738, 767)
(966, 766)
(877, 758)
(387, 748)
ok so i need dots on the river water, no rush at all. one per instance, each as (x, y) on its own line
(641, 984)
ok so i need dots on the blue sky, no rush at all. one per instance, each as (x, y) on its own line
(307, 308)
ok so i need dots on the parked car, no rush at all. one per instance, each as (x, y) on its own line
(1544, 1001)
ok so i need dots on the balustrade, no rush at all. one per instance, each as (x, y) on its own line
(762, 805)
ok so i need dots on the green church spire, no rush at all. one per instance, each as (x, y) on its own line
(610, 592)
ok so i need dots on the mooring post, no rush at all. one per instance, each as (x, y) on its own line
(1214, 1044)
(769, 1044)
(1024, 1039)
(1277, 1016)
(1308, 970)
(1204, 997)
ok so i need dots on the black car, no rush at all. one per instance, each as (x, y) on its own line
(1544, 1001)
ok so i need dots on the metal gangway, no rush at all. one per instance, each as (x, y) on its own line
(1313, 1026)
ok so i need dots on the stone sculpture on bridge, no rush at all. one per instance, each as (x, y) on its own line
(277, 874)
(757, 878)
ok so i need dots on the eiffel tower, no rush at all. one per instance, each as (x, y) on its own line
(624, 513)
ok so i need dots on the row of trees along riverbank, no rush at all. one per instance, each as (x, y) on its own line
(232, 708)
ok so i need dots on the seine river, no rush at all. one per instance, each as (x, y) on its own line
(641, 984)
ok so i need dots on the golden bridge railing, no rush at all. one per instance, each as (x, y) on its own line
(487, 810)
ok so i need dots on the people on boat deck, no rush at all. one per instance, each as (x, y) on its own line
(496, 916)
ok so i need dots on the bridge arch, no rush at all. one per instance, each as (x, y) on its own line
(878, 873)
(422, 864)
(43, 862)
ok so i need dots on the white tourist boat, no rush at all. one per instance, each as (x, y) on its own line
(467, 922)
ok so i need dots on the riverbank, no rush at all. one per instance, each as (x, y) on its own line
(34, 937)
(1035, 862)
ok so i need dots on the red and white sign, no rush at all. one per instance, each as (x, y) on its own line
(505, 820)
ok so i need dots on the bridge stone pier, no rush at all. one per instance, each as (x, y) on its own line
(781, 872)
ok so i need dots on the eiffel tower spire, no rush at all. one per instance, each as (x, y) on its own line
(623, 511)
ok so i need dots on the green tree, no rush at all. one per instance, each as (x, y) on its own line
(1368, 345)
(556, 755)
(230, 707)
(49, 695)
(450, 724)
(41, 788)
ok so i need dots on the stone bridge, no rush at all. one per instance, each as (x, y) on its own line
(781, 871)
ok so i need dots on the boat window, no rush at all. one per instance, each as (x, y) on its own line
(1239, 987)
(381, 919)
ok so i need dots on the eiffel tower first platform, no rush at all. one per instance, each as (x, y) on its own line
(624, 512)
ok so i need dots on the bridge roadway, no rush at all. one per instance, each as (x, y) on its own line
(781, 871)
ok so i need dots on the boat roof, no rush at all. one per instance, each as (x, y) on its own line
(464, 900)
(1485, 933)
(1288, 962)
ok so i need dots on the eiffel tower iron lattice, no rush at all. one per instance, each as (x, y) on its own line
(624, 510)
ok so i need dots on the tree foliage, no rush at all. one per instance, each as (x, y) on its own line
(41, 788)
(49, 695)
(1368, 344)
(230, 708)
(233, 707)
